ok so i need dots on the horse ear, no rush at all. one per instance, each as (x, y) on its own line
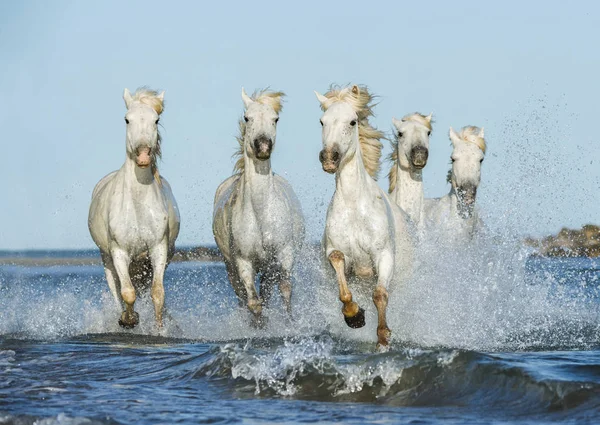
(246, 99)
(322, 99)
(453, 136)
(429, 117)
(161, 96)
(355, 90)
(127, 98)
(481, 133)
(397, 123)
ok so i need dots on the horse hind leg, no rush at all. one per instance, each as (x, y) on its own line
(285, 288)
(267, 281)
(236, 284)
(354, 315)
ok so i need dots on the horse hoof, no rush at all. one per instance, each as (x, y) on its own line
(129, 321)
(356, 321)
(383, 348)
(259, 322)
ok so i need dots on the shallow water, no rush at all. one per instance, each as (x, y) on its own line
(493, 338)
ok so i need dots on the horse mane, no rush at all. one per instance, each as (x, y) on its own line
(359, 98)
(151, 98)
(274, 99)
(393, 157)
(470, 134)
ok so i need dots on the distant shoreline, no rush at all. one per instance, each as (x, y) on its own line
(49, 258)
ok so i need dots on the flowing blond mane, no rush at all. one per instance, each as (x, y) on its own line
(471, 134)
(274, 99)
(359, 98)
(393, 157)
(151, 98)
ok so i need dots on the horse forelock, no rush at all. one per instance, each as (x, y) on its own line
(361, 101)
(274, 99)
(471, 134)
(149, 97)
(418, 118)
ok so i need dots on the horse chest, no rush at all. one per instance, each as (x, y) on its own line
(140, 220)
(357, 230)
(260, 228)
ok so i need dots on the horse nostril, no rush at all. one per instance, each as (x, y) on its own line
(335, 155)
(322, 156)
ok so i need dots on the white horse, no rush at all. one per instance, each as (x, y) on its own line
(133, 217)
(257, 221)
(455, 214)
(366, 235)
(409, 156)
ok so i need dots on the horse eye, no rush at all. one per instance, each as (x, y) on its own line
(245, 118)
(429, 133)
(156, 122)
(276, 120)
(353, 123)
(126, 121)
(481, 160)
(453, 159)
(321, 121)
(400, 135)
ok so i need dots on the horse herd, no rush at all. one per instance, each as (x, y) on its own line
(258, 223)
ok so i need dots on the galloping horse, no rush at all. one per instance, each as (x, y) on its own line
(133, 217)
(409, 156)
(455, 214)
(257, 222)
(366, 235)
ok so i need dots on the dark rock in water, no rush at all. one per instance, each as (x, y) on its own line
(569, 243)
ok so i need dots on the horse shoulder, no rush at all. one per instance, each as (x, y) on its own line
(172, 209)
(224, 198)
(289, 193)
(296, 208)
(102, 183)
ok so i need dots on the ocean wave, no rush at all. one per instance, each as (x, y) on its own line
(314, 369)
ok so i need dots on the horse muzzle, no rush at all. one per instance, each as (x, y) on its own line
(418, 157)
(262, 148)
(143, 159)
(330, 160)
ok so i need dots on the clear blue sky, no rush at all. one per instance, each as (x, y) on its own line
(527, 71)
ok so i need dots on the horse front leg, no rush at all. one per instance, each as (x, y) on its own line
(112, 279)
(237, 285)
(380, 299)
(353, 314)
(284, 276)
(121, 261)
(247, 275)
(158, 256)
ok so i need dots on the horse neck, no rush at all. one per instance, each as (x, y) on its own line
(257, 180)
(453, 200)
(408, 194)
(352, 178)
(134, 175)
